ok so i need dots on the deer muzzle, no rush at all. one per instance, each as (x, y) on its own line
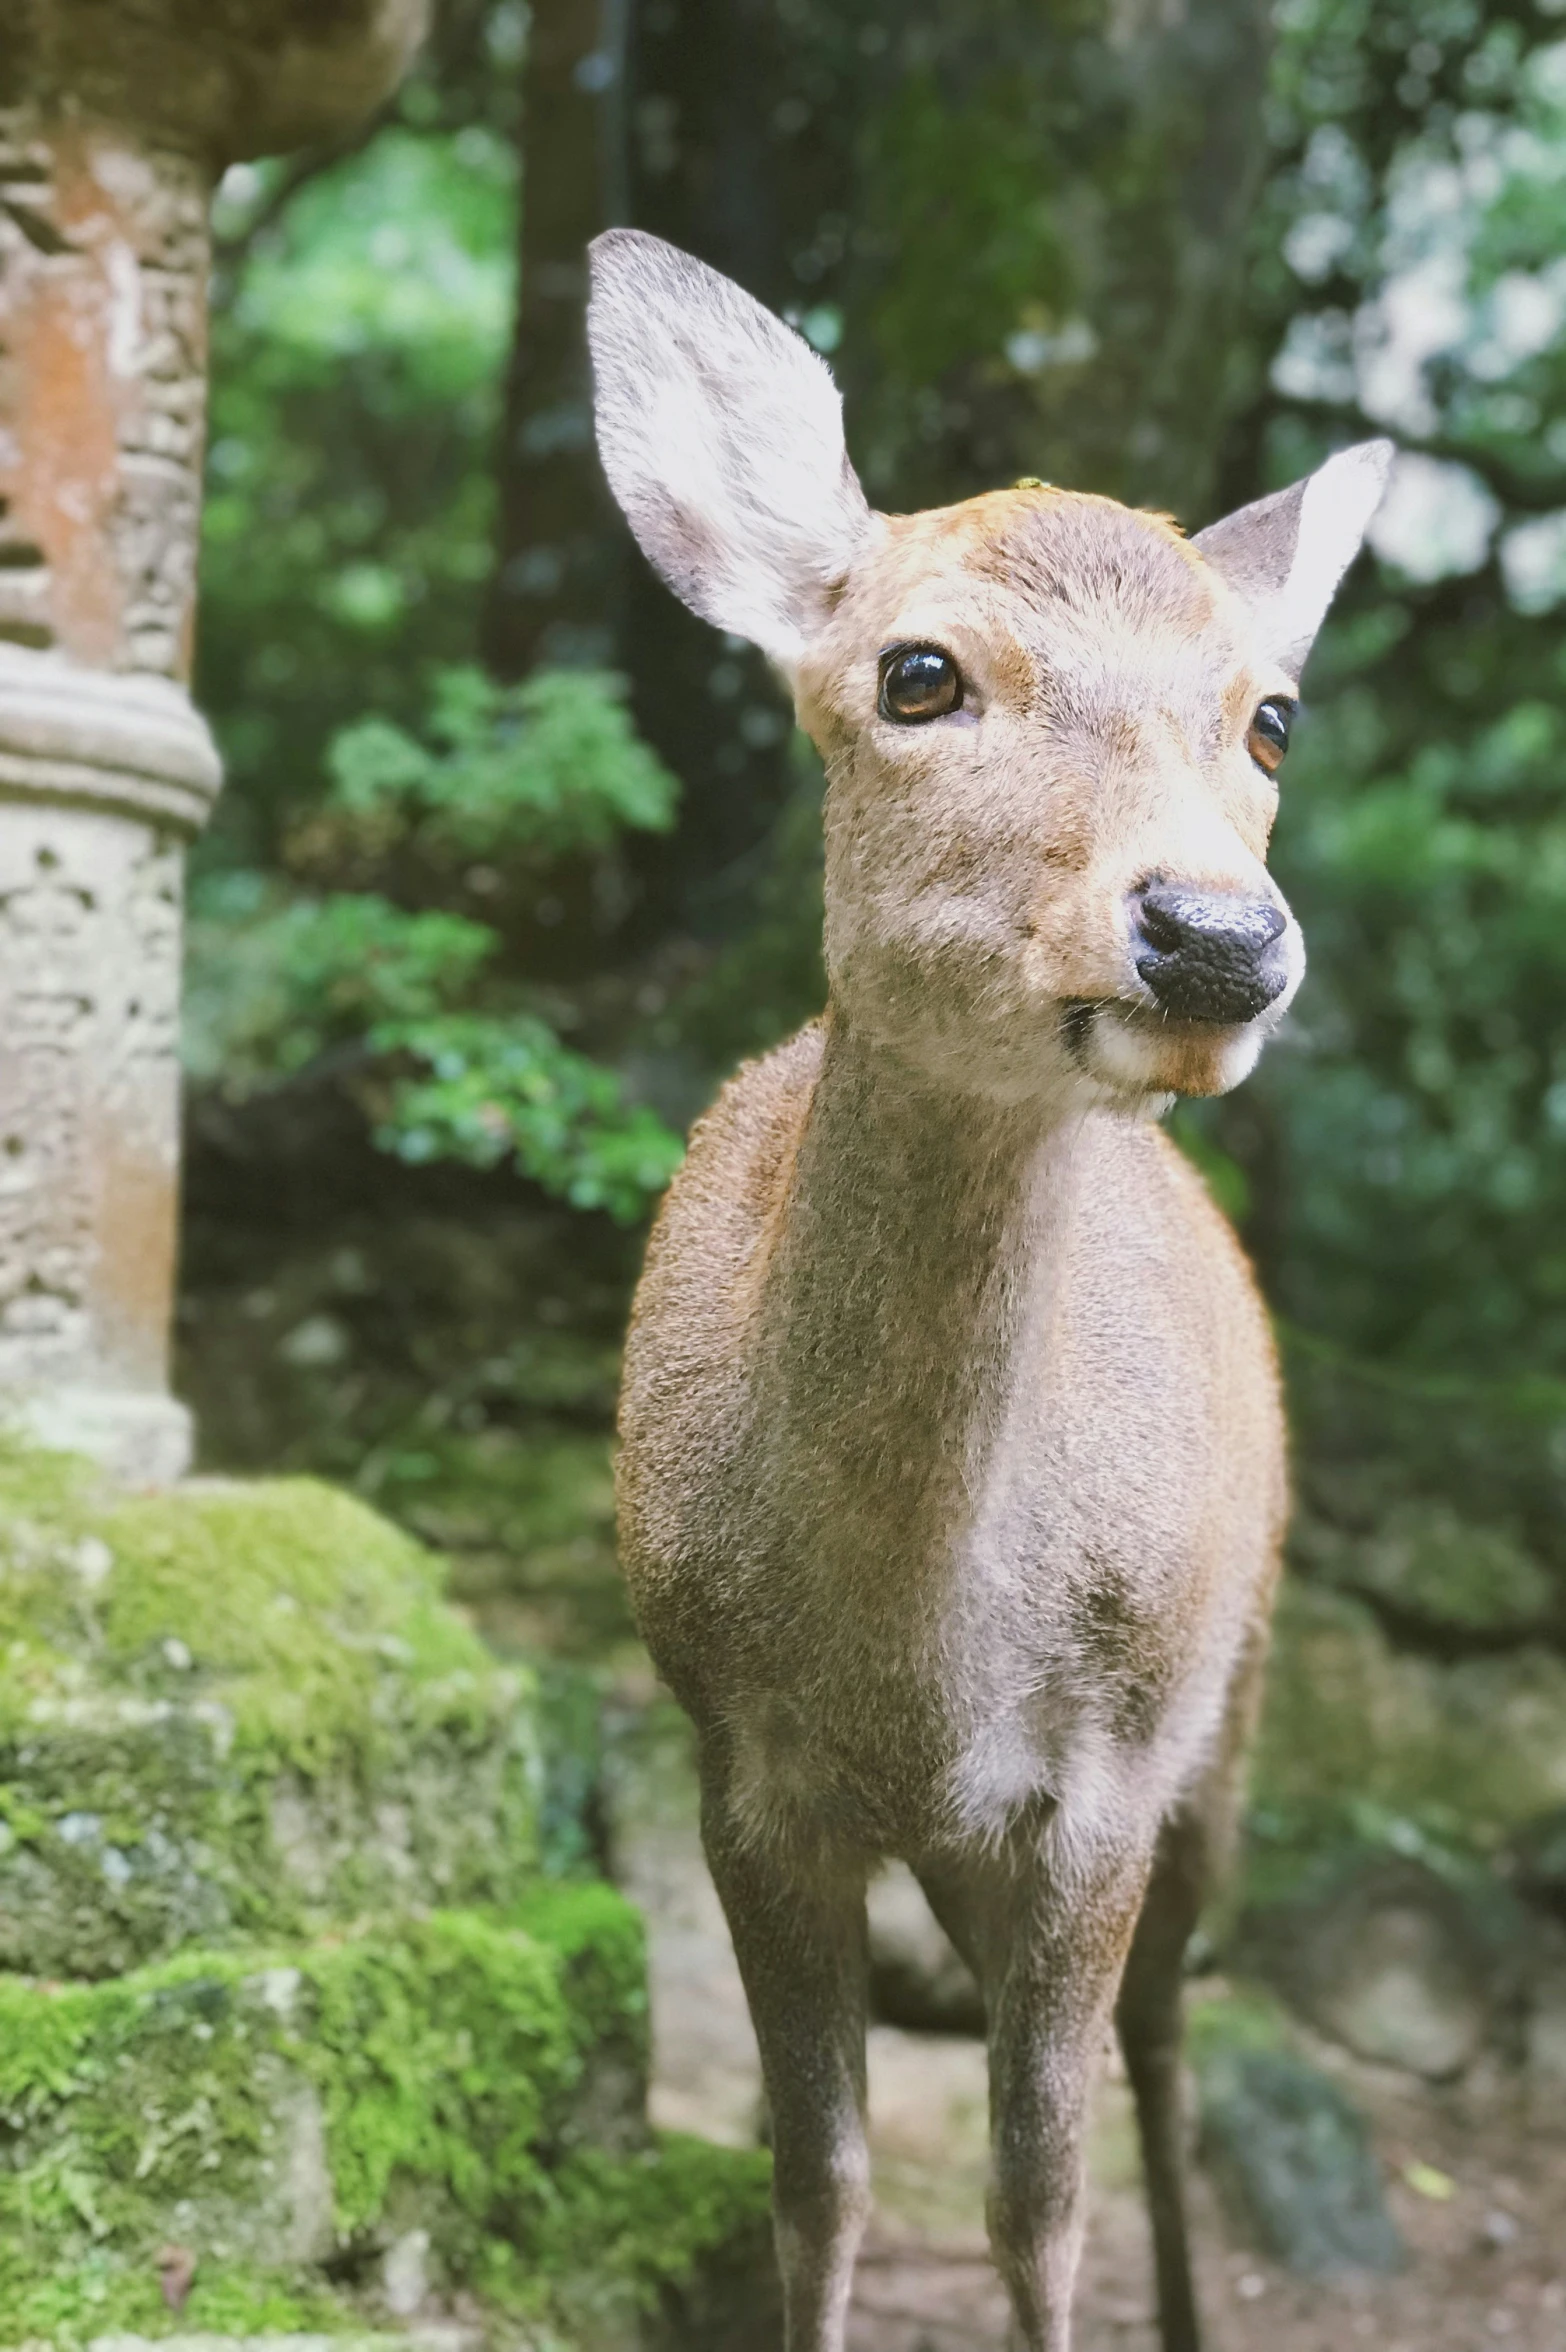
(1214, 956)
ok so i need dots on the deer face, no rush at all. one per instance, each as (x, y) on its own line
(1050, 801)
(1051, 725)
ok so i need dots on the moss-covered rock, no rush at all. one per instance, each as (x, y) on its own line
(1468, 1749)
(1405, 1963)
(1295, 2165)
(284, 2116)
(1441, 1577)
(238, 1712)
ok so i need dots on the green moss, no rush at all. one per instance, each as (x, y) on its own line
(481, 2075)
(287, 1598)
(267, 2108)
(241, 1721)
(452, 2054)
(236, 1712)
(652, 2217)
(83, 2299)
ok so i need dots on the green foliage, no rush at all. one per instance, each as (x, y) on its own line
(452, 1070)
(968, 188)
(1425, 1129)
(498, 1090)
(1399, 1164)
(542, 769)
(1404, 1149)
(276, 979)
(769, 979)
(357, 349)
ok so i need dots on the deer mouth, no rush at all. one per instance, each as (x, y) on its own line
(1138, 1052)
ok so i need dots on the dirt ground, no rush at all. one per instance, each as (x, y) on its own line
(1487, 2249)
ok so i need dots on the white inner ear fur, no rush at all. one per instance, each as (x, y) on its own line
(721, 433)
(1339, 500)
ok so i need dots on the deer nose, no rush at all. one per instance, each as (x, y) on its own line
(1207, 955)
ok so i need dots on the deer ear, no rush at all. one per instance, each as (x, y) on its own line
(721, 433)
(1286, 554)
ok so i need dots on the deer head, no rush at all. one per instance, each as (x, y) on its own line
(1051, 725)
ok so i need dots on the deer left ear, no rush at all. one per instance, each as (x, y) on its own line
(1286, 554)
(721, 433)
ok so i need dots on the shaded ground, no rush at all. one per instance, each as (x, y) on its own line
(1488, 2262)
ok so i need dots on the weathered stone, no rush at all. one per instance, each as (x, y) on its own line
(405, 2273)
(240, 1721)
(113, 122)
(425, 2087)
(917, 1978)
(237, 1712)
(1546, 2045)
(89, 1082)
(1294, 2163)
(1405, 1998)
(1395, 1961)
(250, 78)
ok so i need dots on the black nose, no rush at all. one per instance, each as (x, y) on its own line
(1207, 955)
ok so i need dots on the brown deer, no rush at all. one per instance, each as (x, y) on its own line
(951, 1478)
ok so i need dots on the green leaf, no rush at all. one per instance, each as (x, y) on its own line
(548, 767)
(493, 1091)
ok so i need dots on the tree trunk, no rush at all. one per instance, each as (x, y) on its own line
(554, 590)
(744, 116)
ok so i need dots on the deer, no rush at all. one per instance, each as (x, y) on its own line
(951, 1469)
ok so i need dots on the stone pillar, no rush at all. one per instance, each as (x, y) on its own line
(113, 125)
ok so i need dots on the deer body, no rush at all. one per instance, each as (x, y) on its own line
(951, 1480)
(951, 1476)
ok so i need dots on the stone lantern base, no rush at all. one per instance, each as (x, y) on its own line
(103, 777)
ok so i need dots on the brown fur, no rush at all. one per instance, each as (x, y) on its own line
(951, 1476)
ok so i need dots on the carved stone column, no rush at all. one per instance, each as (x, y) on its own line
(114, 121)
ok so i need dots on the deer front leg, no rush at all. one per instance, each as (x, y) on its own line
(1149, 2019)
(1051, 1944)
(799, 1936)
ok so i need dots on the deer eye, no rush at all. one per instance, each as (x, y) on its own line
(919, 682)
(1268, 738)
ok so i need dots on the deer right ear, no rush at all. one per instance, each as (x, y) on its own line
(1286, 554)
(721, 433)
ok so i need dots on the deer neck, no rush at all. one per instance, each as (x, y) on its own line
(912, 1280)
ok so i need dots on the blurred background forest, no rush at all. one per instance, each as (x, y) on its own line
(515, 859)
